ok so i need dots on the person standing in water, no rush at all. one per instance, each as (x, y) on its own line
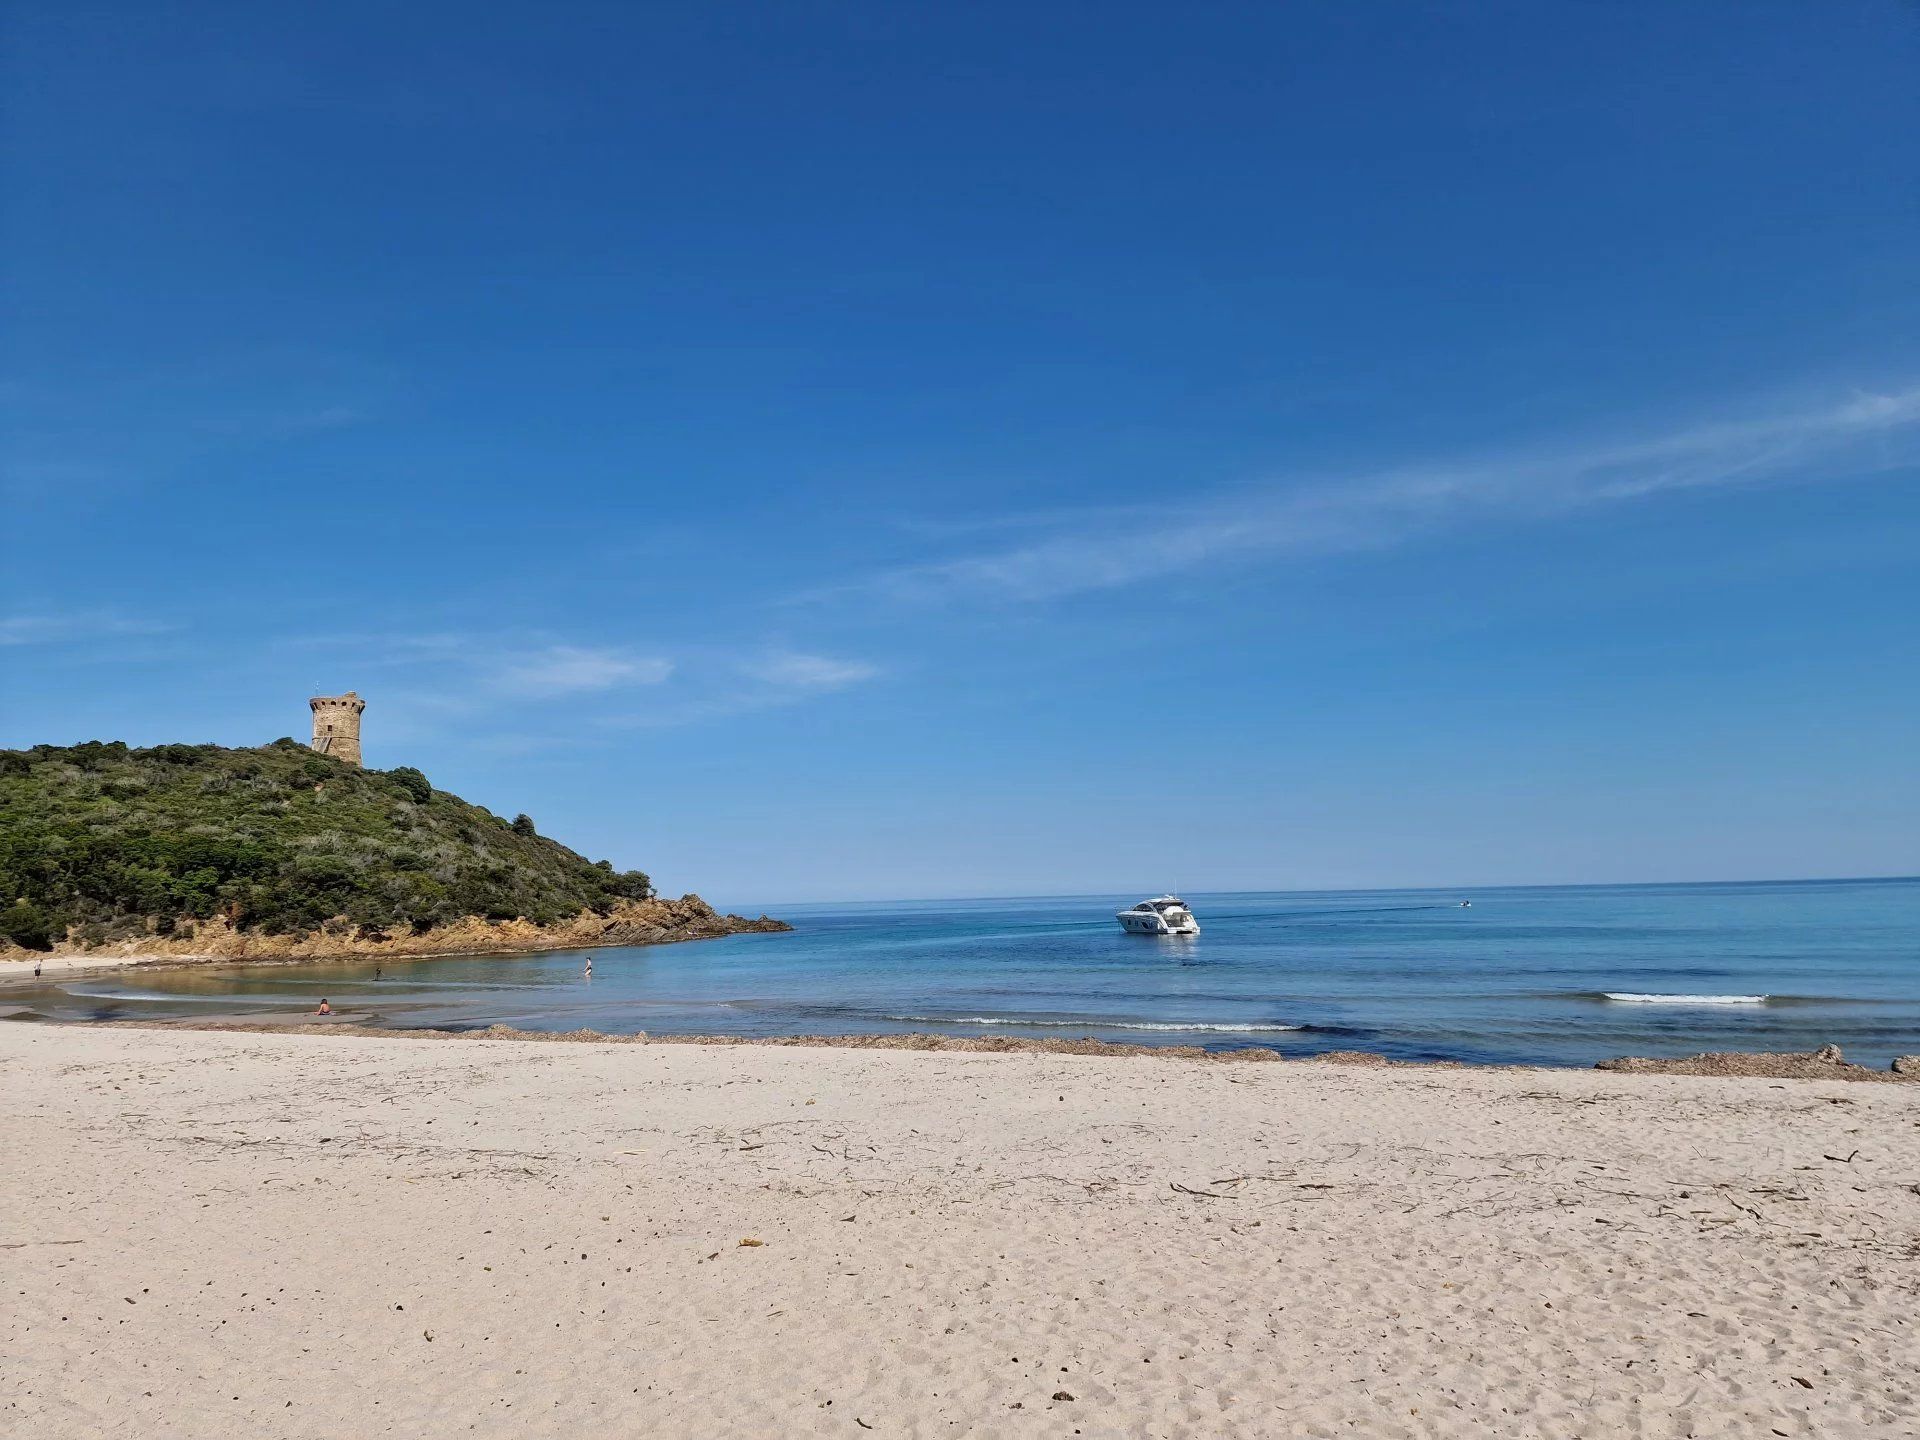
(589, 967)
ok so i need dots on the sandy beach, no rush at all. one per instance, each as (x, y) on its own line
(318, 1235)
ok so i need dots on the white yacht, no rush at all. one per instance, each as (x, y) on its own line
(1166, 915)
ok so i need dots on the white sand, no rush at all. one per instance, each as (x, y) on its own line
(19, 967)
(271, 1227)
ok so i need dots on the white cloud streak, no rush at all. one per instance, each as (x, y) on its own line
(72, 628)
(794, 672)
(577, 670)
(455, 675)
(745, 684)
(1104, 548)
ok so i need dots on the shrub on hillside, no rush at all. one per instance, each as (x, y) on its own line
(121, 843)
(413, 782)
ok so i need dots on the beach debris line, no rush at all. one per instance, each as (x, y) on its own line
(1826, 1063)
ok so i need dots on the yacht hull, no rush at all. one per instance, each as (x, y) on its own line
(1140, 921)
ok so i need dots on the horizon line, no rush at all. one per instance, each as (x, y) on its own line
(1376, 889)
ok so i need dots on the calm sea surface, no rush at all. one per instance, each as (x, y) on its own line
(1560, 976)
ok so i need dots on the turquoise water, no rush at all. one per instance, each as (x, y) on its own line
(1522, 975)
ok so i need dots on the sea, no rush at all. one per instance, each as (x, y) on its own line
(1546, 976)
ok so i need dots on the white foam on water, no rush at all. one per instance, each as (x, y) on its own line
(1629, 998)
(1089, 1024)
(142, 997)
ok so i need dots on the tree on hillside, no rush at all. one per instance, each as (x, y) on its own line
(413, 782)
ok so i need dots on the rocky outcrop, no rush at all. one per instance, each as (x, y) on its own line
(658, 921)
(1826, 1063)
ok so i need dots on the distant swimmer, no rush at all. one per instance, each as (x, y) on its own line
(325, 1008)
(1466, 904)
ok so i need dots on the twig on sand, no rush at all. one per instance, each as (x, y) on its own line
(22, 1244)
(1202, 1194)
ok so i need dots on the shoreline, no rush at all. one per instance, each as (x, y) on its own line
(15, 971)
(1826, 1064)
(644, 922)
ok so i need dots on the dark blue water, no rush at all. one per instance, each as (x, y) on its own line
(1523, 975)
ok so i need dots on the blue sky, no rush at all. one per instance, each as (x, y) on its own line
(829, 451)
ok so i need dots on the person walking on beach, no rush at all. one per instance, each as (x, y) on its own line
(36, 969)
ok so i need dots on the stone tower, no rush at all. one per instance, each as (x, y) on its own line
(336, 725)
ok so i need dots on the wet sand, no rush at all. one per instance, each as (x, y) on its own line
(19, 969)
(237, 1234)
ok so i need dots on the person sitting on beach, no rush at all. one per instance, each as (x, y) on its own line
(325, 1008)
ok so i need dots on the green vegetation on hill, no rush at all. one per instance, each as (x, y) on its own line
(120, 842)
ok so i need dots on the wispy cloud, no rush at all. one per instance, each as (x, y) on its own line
(728, 685)
(469, 668)
(1098, 549)
(266, 423)
(794, 672)
(577, 669)
(46, 629)
(449, 676)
